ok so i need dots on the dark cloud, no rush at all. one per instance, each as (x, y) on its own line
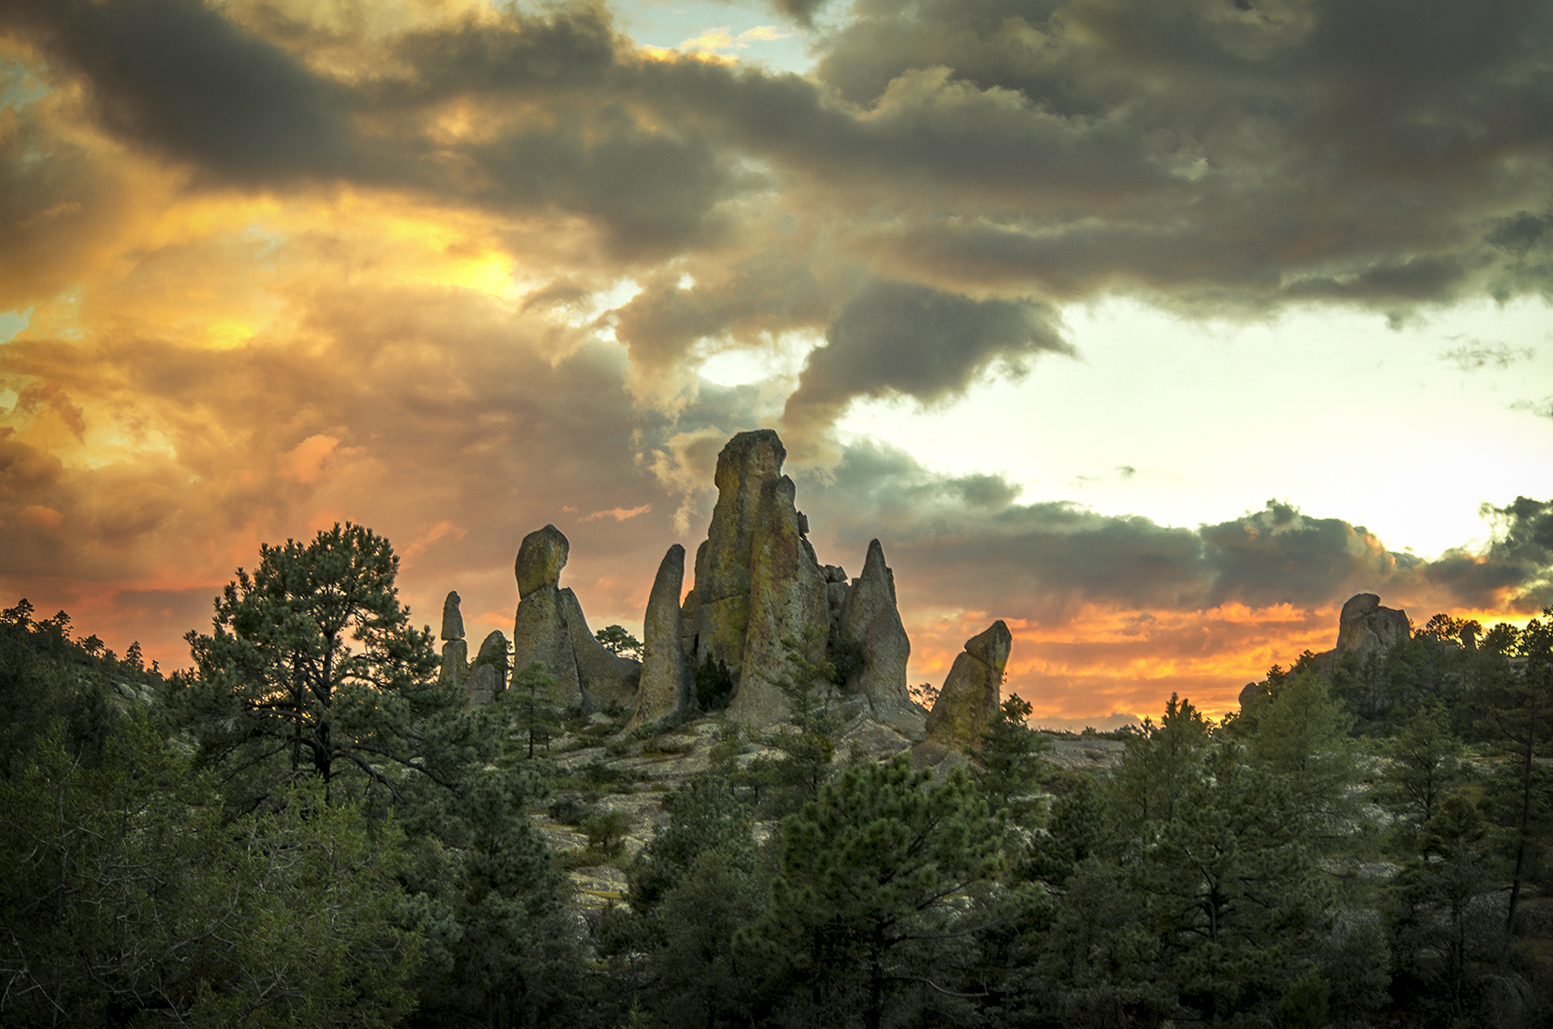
(1517, 566)
(1213, 158)
(900, 339)
(1045, 561)
(178, 77)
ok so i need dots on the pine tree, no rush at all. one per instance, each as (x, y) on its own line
(868, 896)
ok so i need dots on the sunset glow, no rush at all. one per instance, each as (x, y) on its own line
(1088, 345)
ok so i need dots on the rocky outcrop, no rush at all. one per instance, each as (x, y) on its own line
(870, 622)
(455, 650)
(1363, 629)
(550, 629)
(608, 681)
(665, 688)
(758, 584)
(488, 671)
(970, 695)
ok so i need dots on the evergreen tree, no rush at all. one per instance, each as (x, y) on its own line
(1161, 763)
(867, 898)
(1008, 765)
(1520, 718)
(315, 670)
(704, 815)
(1301, 736)
(129, 898)
(1424, 766)
(533, 706)
(1231, 886)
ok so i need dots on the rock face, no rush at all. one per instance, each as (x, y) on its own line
(452, 619)
(455, 651)
(665, 687)
(541, 556)
(870, 619)
(550, 629)
(757, 580)
(1365, 627)
(488, 671)
(971, 694)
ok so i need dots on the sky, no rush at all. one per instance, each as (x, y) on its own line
(1155, 328)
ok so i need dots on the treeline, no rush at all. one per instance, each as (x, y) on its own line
(308, 829)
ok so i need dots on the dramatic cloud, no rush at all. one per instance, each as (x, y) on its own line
(459, 269)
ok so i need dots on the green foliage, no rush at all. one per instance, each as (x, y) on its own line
(1520, 715)
(315, 670)
(696, 979)
(1231, 885)
(1077, 831)
(1305, 1004)
(619, 642)
(869, 892)
(533, 707)
(127, 896)
(606, 832)
(1302, 737)
(47, 677)
(704, 815)
(1008, 761)
(492, 902)
(1424, 766)
(1452, 868)
(1160, 764)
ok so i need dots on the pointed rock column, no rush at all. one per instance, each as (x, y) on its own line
(757, 580)
(970, 696)
(872, 621)
(665, 687)
(455, 650)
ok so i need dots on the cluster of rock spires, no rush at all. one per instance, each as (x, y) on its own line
(758, 588)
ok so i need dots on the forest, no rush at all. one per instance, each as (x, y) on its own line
(307, 828)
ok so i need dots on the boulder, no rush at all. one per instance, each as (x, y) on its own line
(488, 671)
(871, 621)
(541, 556)
(1364, 628)
(665, 688)
(452, 620)
(970, 695)
(758, 584)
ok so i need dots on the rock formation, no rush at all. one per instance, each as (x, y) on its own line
(550, 629)
(759, 591)
(488, 671)
(665, 687)
(970, 696)
(870, 620)
(1364, 628)
(758, 583)
(455, 650)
